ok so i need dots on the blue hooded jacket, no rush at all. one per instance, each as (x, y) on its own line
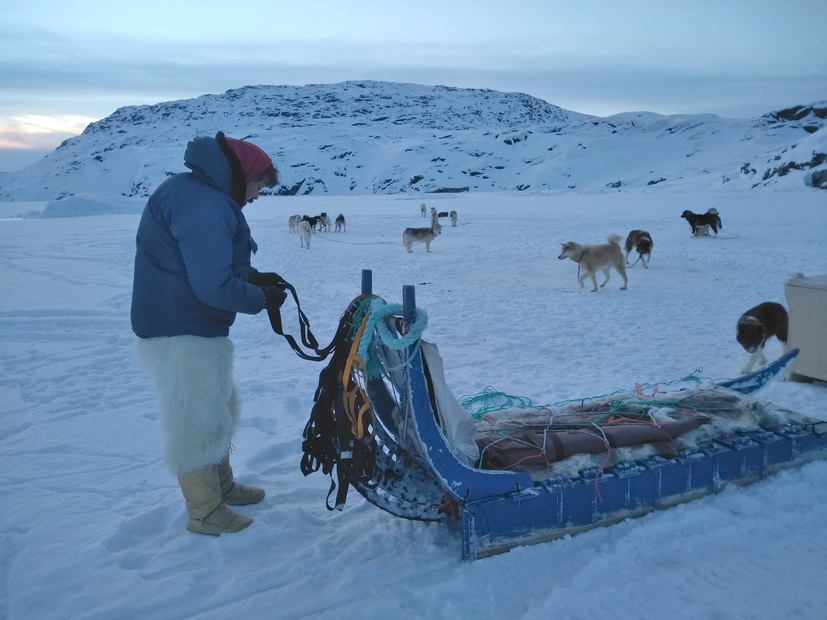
(193, 252)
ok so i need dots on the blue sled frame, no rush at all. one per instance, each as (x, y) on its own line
(501, 510)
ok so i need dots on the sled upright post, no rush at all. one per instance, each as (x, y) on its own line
(409, 303)
(367, 282)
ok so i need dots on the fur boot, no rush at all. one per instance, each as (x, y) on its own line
(232, 492)
(207, 513)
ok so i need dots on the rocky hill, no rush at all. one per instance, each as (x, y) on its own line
(382, 137)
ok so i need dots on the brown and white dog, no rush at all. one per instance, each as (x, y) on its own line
(594, 258)
(642, 242)
(700, 223)
(756, 326)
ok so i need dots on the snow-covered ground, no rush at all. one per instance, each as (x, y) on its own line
(92, 523)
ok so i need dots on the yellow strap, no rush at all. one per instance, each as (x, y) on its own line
(352, 372)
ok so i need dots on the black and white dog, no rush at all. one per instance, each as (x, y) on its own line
(756, 326)
(642, 242)
(340, 223)
(700, 223)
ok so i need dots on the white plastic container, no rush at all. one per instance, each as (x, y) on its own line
(807, 304)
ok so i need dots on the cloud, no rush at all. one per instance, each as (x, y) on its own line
(34, 131)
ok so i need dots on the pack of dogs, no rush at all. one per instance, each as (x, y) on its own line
(307, 226)
(754, 327)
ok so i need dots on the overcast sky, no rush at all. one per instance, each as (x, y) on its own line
(66, 64)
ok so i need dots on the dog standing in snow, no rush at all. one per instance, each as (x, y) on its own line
(700, 223)
(293, 222)
(420, 235)
(453, 215)
(305, 234)
(756, 326)
(423, 209)
(340, 223)
(594, 258)
(324, 222)
(642, 242)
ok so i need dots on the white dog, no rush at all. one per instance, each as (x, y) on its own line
(293, 222)
(453, 215)
(305, 234)
(422, 209)
(324, 222)
(594, 258)
(420, 235)
(434, 218)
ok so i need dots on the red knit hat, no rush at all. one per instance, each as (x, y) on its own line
(253, 160)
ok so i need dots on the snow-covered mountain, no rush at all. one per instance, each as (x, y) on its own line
(383, 137)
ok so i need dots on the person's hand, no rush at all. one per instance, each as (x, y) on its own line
(269, 278)
(274, 297)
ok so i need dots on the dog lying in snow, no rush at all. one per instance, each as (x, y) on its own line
(642, 242)
(756, 326)
(420, 235)
(594, 258)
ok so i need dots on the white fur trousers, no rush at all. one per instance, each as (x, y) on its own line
(197, 398)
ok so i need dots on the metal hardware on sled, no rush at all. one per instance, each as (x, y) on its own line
(418, 477)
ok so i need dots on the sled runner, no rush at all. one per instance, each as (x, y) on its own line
(424, 457)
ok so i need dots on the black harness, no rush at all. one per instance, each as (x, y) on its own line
(329, 442)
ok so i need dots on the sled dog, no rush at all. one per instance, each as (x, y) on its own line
(313, 221)
(594, 258)
(420, 235)
(434, 218)
(324, 222)
(641, 241)
(423, 209)
(305, 234)
(453, 215)
(756, 326)
(293, 222)
(700, 223)
(340, 223)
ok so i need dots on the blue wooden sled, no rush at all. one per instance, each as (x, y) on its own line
(418, 476)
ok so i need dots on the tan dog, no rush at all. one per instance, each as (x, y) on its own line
(594, 258)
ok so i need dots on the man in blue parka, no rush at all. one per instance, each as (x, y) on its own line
(192, 275)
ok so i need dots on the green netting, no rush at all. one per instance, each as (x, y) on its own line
(491, 399)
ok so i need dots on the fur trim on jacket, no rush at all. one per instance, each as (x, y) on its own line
(197, 398)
